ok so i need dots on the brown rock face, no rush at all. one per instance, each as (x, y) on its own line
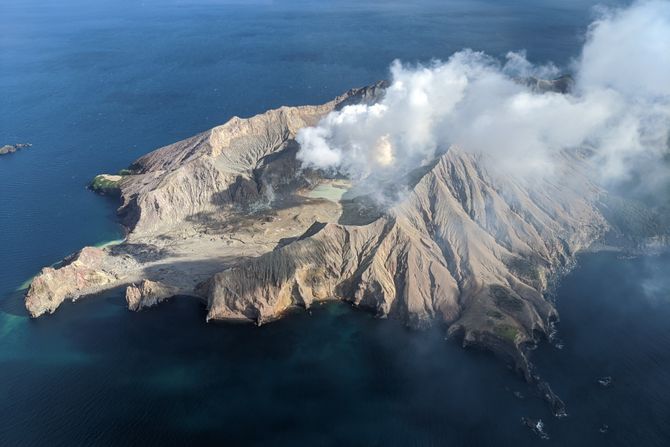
(147, 294)
(78, 275)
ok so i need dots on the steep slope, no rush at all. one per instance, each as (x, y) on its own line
(220, 167)
(464, 248)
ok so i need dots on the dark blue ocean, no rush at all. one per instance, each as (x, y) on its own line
(95, 84)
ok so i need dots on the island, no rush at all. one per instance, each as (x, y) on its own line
(231, 217)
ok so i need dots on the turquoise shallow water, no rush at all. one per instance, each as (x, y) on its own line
(93, 85)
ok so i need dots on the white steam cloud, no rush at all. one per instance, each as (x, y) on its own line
(619, 107)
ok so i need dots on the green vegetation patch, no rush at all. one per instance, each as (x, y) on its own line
(506, 332)
(106, 184)
(505, 300)
(525, 268)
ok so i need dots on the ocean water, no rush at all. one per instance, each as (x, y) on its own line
(95, 84)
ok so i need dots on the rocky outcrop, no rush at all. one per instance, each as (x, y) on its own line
(106, 184)
(562, 84)
(147, 294)
(11, 148)
(78, 275)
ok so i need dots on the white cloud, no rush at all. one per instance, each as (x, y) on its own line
(620, 107)
(628, 50)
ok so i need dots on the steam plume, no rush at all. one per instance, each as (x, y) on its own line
(619, 107)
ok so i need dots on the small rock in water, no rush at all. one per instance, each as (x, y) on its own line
(519, 395)
(604, 428)
(11, 148)
(536, 425)
(557, 405)
(605, 381)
